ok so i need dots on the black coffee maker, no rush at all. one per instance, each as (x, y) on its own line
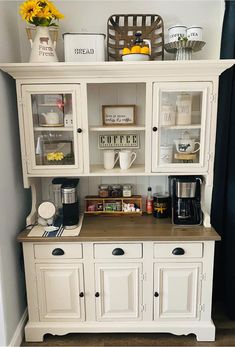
(66, 201)
(186, 200)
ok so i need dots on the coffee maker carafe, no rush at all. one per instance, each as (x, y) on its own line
(186, 200)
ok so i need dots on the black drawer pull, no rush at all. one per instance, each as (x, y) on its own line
(97, 294)
(79, 130)
(154, 129)
(81, 295)
(118, 251)
(57, 251)
(156, 294)
(178, 251)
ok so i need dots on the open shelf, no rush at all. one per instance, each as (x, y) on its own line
(119, 128)
(98, 170)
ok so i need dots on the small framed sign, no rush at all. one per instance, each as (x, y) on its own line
(116, 115)
(116, 141)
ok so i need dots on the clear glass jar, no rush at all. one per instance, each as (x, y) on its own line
(116, 191)
(104, 190)
(127, 190)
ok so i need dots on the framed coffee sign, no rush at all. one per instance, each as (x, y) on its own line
(115, 141)
(116, 115)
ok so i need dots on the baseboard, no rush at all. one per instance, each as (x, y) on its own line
(19, 333)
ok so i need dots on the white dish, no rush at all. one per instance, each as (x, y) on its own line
(136, 57)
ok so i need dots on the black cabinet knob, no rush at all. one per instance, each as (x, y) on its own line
(155, 129)
(57, 251)
(81, 295)
(79, 130)
(118, 251)
(156, 294)
(178, 251)
(97, 294)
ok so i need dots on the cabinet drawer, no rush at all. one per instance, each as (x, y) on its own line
(58, 251)
(117, 250)
(178, 250)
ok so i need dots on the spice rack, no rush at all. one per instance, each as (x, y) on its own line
(94, 205)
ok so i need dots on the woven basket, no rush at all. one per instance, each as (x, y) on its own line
(121, 29)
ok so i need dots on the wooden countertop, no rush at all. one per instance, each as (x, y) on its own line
(126, 228)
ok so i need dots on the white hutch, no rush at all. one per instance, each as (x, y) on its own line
(80, 291)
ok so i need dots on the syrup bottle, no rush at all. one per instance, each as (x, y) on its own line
(149, 201)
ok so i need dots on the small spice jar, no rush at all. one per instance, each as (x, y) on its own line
(116, 191)
(104, 190)
(127, 190)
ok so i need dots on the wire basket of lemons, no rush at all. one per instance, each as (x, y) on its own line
(139, 51)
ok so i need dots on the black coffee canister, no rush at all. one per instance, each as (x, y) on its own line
(161, 205)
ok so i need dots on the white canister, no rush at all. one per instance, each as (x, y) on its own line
(166, 154)
(167, 115)
(176, 31)
(183, 109)
(84, 47)
(194, 33)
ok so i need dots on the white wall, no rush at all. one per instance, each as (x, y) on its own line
(14, 200)
(91, 16)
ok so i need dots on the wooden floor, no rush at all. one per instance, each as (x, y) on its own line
(225, 336)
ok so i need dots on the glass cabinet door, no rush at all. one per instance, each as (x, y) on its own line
(181, 119)
(52, 117)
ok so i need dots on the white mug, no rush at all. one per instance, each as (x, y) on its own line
(166, 154)
(110, 159)
(126, 159)
(186, 146)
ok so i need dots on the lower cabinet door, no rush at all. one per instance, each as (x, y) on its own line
(60, 292)
(118, 291)
(177, 289)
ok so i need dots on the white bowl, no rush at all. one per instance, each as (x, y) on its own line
(136, 57)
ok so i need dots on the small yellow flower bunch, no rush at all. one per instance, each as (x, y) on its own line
(57, 156)
(40, 12)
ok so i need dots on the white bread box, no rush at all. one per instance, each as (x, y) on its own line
(84, 47)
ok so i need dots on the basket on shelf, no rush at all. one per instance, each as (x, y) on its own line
(121, 29)
(95, 205)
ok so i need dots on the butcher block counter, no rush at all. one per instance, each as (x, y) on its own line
(130, 228)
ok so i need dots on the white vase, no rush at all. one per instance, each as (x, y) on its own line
(42, 47)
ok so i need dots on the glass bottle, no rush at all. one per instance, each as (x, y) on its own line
(149, 201)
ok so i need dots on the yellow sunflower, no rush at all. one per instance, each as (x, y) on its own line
(29, 9)
(45, 13)
(54, 11)
(40, 12)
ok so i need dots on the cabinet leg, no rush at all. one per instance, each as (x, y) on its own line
(33, 335)
(206, 334)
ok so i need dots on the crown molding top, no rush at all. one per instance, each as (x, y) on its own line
(136, 70)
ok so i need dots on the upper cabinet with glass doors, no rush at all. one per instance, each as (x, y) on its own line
(181, 127)
(53, 128)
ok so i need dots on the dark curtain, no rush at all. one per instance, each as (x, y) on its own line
(223, 200)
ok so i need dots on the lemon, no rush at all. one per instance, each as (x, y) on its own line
(144, 50)
(126, 51)
(135, 49)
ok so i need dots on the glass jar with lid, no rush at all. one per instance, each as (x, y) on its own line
(116, 191)
(127, 190)
(104, 190)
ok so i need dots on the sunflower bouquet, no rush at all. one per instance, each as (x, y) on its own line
(40, 12)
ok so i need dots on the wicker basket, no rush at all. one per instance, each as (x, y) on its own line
(121, 29)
